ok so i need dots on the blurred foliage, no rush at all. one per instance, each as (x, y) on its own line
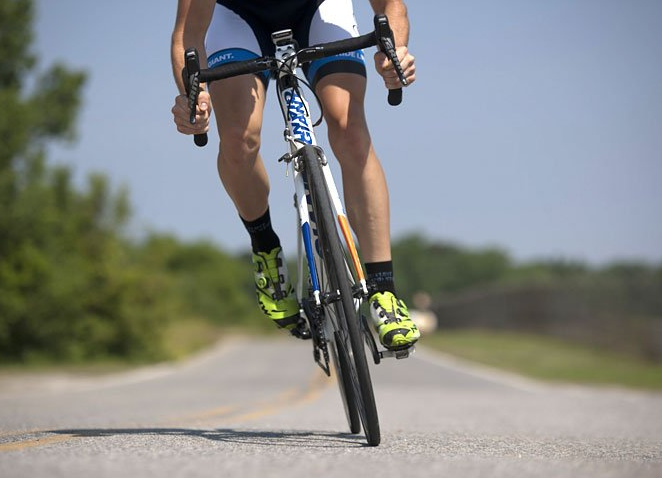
(617, 306)
(446, 270)
(15, 41)
(212, 284)
(442, 268)
(72, 287)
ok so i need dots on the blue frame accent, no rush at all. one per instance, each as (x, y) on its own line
(308, 245)
(297, 113)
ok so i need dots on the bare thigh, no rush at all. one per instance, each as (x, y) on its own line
(238, 107)
(342, 95)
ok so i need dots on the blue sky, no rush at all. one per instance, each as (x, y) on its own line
(534, 126)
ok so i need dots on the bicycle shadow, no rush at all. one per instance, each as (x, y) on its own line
(284, 438)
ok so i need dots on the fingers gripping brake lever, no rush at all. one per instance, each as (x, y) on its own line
(387, 46)
(191, 77)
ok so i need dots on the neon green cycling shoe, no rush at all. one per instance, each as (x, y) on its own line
(391, 318)
(274, 291)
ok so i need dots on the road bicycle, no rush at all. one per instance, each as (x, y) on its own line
(331, 284)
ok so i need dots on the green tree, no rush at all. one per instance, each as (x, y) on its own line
(67, 287)
(72, 286)
(440, 268)
(212, 284)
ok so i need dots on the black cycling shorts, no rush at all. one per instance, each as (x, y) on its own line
(241, 30)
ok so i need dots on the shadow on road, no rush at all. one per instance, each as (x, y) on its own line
(284, 438)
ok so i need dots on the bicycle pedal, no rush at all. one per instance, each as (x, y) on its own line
(398, 354)
(301, 331)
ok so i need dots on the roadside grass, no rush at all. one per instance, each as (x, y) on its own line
(531, 355)
(187, 336)
(548, 358)
(190, 335)
(181, 339)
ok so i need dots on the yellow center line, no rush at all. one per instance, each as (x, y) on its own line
(203, 415)
(288, 398)
(22, 445)
(228, 413)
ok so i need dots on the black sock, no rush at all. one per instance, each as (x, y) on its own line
(263, 237)
(381, 275)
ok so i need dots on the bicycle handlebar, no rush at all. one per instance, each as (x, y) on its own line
(382, 36)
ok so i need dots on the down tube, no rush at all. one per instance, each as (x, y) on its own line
(306, 232)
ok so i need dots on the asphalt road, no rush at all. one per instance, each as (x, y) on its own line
(262, 408)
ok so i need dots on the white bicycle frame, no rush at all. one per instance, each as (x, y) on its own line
(298, 133)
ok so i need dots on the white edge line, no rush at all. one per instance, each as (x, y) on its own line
(72, 383)
(441, 359)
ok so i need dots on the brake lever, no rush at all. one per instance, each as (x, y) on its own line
(191, 77)
(387, 46)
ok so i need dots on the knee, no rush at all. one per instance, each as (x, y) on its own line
(350, 141)
(239, 145)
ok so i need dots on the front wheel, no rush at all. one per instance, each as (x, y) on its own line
(342, 367)
(341, 313)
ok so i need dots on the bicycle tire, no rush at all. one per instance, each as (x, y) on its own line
(349, 336)
(341, 366)
(340, 362)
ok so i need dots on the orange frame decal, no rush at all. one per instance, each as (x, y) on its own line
(349, 240)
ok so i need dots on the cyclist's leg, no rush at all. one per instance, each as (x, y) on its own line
(364, 182)
(366, 198)
(340, 83)
(238, 106)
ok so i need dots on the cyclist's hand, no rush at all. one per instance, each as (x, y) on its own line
(182, 114)
(387, 71)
